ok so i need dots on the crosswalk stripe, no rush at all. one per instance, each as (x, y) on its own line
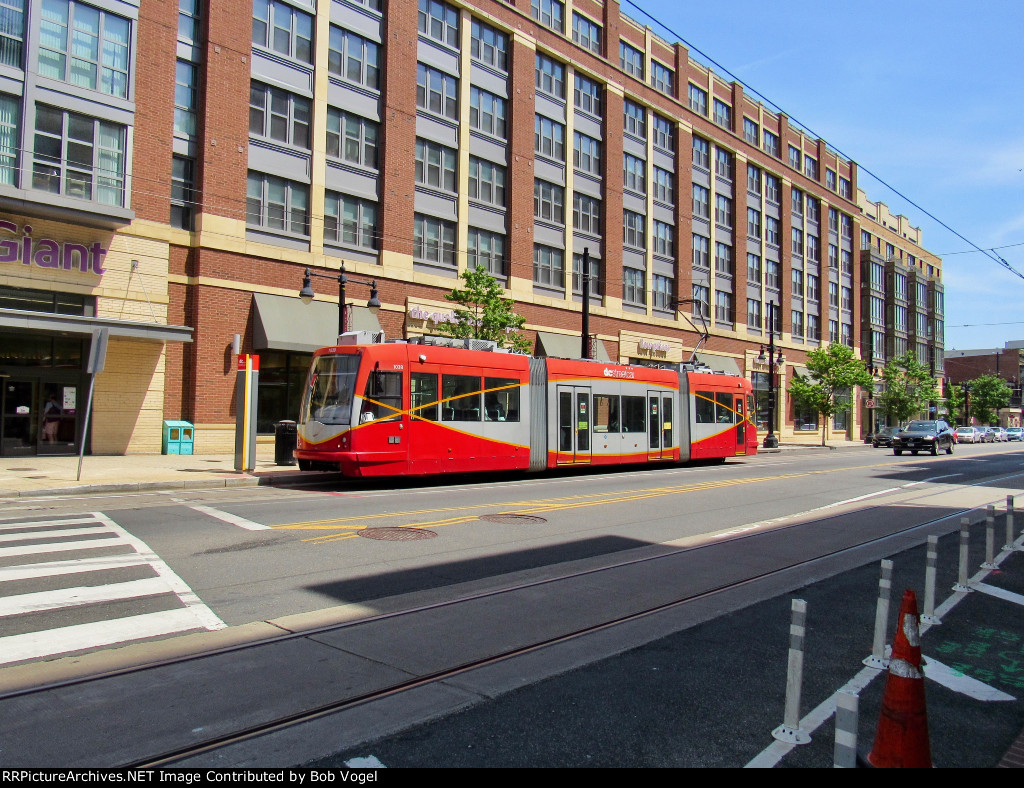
(54, 534)
(82, 595)
(10, 526)
(60, 547)
(33, 645)
(96, 563)
(233, 519)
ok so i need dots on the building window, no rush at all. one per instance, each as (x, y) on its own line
(751, 131)
(794, 157)
(594, 287)
(701, 302)
(811, 168)
(813, 328)
(353, 58)
(723, 163)
(12, 32)
(813, 288)
(723, 307)
(281, 386)
(487, 112)
(753, 223)
(754, 179)
(798, 324)
(278, 115)
(663, 137)
(664, 186)
(797, 202)
(813, 209)
(634, 230)
(723, 114)
(723, 211)
(634, 286)
(349, 220)
(549, 138)
(845, 188)
(486, 249)
(433, 240)
(10, 117)
(772, 189)
(701, 153)
(586, 33)
(771, 231)
(813, 249)
(833, 331)
(437, 92)
(846, 226)
(833, 294)
(701, 252)
(631, 60)
(78, 156)
(82, 45)
(283, 29)
(798, 241)
(435, 165)
(662, 78)
(586, 154)
(772, 274)
(586, 214)
(486, 182)
(489, 46)
(846, 260)
(701, 202)
(351, 138)
(663, 236)
(723, 259)
(830, 180)
(698, 100)
(277, 204)
(587, 96)
(754, 314)
(661, 292)
(440, 22)
(634, 174)
(550, 76)
(548, 202)
(753, 268)
(550, 13)
(771, 144)
(847, 298)
(548, 266)
(183, 192)
(635, 119)
(185, 98)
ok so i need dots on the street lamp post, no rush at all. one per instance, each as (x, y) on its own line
(967, 403)
(771, 441)
(306, 293)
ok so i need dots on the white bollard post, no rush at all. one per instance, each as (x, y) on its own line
(789, 731)
(990, 538)
(845, 752)
(878, 659)
(1009, 525)
(963, 584)
(929, 617)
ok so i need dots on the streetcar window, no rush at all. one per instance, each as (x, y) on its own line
(460, 398)
(501, 399)
(725, 412)
(634, 414)
(383, 397)
(705, 407)
(606, 413)
(424, 395)
(328, 397)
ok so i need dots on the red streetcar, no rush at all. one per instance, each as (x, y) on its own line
(429, 407)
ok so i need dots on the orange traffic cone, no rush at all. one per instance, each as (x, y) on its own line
(902, 737)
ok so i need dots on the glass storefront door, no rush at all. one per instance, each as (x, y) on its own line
(39, 416)
(20, 417)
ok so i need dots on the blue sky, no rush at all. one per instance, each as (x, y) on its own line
(928, 95)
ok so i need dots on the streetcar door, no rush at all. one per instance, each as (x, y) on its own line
(659, 426)
(573, 424)
(741, 424)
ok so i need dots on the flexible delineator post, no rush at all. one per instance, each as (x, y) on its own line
(845, 752)
(990, 538)
(962, 583)
(929, 582)
(790, 730)
(877, 659)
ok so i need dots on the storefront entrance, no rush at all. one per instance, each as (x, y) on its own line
(40, 416)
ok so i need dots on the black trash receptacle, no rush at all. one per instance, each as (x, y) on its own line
(285, 437)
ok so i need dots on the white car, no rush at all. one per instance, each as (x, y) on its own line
(1015, 433)
(969, 435)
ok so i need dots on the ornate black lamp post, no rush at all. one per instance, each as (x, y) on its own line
(771, 441)
(306, 293)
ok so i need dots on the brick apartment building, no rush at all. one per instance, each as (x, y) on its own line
(170, 168)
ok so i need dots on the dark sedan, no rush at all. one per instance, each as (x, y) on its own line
(883, 437)
(920, 436)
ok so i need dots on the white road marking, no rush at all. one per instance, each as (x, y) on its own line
(46, 523)
(999, 593)
(83, 595)
(227, 517)
(52, 534)
(369, 762)
(51, 568)
(962, 683)
(58, 547)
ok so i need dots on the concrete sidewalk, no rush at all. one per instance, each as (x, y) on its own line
(22, 477)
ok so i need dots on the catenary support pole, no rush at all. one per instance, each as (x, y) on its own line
(845, 752)
(962, 583)
(789, 731)
(877, 659)
(929, 617)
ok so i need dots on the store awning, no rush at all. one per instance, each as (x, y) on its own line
(726, 364)
(283, 323)
(567, 346)
(84, 326)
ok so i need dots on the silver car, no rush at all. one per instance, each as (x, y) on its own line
(1015, 433)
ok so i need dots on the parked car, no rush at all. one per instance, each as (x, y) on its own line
(921, 436)
(883, 437)
(969, 435)
(990, 435)
(1015, 433)
(1000, 434)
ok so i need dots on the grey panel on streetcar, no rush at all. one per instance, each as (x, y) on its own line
(282, 323)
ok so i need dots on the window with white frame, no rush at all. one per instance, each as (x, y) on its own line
(723, 114)
(437, 92)
(771, 144)
(548, 266)
(487, 112)
(278, 115)
(830, 180)
(723, 259)
(723, 211)
(813, 287)
(488, 46)
(550, 13)
(662, 78)
(811, 168)
(772, 274)
(662, 133)
(550, 76)
(353, 58)
(795, 157)
(751, 131)
(813, 327)
(813, 209)
(701, 202)
(635, 119)
(663, 236)
(81, 45)
(797, 202)
(701, 301)
(664, 186)
(798, 324)
(634, 174)
(486, 182)
(586, 214)
(701, 252)
(439, 21)
(771, 231)
(701, 153)
(548, 201)
(772, 188)
(78, 156)
(549, 138)
(433, 240)
(631, 60)
(634, 230)
(587, 95)
(351, 138)
(586, 33)
(698, 100)
(845, 188)
(12, 33)
(183, 192)
(754, 313)
(753, 179)
(185, 84)
(280, 27)
(277, 204)
(813, 248)
(753, 223)
(634, 286)
(586, 153)
(723, 306)
(350, 220)
(753, 268)
(435, 165)
(798, 241)
(662, 288)
(486, 249)
(594, 286)
(723, 163)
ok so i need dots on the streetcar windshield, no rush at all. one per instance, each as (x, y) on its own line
(329, 389)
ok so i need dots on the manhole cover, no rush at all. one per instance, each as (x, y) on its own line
(396, 534)
(512, 519)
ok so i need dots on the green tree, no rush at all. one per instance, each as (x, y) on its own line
(484, 314)
(909, 387)
(833, 371)
(955, 403)
(988, 394)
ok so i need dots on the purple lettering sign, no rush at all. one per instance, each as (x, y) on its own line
(47, 253)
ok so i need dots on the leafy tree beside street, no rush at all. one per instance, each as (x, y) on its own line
(909, 387)
(987, 395)
(833, 371)
(484, 314)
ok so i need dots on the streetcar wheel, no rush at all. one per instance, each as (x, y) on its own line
(898, 452)
(305, 465)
